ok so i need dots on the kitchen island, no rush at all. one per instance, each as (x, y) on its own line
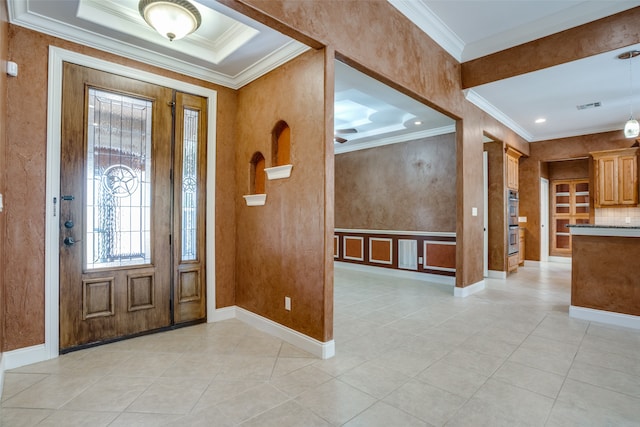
(605, 274)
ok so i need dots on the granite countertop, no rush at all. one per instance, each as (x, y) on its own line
(624, 227)
(604, 230)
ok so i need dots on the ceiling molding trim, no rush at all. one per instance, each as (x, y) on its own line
(340, 148)
(270, 62)
(473, 97)
(213, 50)
(20, 16)
(234, 38)
(47, 26)
(420, 14)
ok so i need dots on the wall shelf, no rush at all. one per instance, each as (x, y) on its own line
(278, 172)
(255, 199)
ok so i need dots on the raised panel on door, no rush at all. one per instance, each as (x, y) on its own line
(628, 180)
(115, 204)
(607, 181)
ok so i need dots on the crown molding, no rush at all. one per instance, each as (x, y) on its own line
(341, 148)
(420, 14)
(268, 63)
(473, 97)
(20, 15)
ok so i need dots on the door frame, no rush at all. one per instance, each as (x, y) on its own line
(485, 219)
(52, 248)
(544, 219)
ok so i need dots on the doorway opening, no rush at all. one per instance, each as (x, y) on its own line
(395, 181)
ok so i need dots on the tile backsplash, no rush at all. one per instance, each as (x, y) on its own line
(617, 216)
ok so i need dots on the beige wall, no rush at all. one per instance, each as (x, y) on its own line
(409, 186)
(281, 245)
(533, 167)
(23, 266)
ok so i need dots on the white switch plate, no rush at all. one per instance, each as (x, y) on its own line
(1, 205)
(474, 211)
(627, 220)
(287, 303)
(420, 260)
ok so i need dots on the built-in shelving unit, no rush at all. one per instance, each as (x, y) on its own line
(570, 205)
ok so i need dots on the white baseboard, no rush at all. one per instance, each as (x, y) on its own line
(1, 374)
(468, 290)
(221, 314)
(495, 274)
(601, 316)
(405, 274)
(560, 259)
(24, 356)
(323, 350)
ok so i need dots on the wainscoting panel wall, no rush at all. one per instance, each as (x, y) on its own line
(420, 251)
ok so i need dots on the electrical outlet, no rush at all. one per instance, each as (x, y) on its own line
(287, 303)
(627, 220)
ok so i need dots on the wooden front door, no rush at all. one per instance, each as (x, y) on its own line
(117, 208)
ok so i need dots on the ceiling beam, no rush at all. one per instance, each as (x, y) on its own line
(593, 38)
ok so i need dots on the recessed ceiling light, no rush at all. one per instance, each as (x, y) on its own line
(417, 122)
(541, 120)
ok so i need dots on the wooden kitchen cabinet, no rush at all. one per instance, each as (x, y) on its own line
(512, 168)
(512, 262)
(615, 177)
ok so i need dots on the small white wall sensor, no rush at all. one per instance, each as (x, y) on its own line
(12, 68)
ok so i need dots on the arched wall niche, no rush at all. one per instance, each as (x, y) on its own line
(257, 176)
(281, 144)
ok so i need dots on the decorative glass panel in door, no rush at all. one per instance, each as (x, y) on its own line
(118, 189)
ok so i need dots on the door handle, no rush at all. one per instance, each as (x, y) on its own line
(70, 241)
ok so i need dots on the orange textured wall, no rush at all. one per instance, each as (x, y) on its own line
(533, 167)
(4, 48)
(282, 246)
(399, 54)
(25, 183)
(604, 273)
(409, 186)
(569, 169)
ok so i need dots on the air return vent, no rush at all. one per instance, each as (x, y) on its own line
(407, 254)
(591, 105)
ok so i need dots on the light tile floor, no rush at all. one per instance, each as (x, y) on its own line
(408, 354)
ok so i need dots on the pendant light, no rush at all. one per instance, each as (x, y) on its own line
(173, 19)
(632, 127)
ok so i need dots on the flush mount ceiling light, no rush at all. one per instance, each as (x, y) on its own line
(632, 127)
(173, 19)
